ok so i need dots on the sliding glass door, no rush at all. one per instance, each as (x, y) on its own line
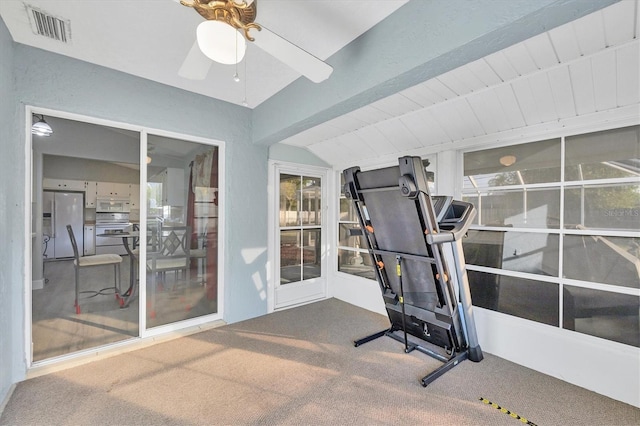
(181, 230)
(79, 164)
(146, 228)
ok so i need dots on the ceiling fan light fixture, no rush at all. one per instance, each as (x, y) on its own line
(41, 128)
(221, 42)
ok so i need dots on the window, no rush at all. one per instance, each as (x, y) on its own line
(353, 257)
(556, 236)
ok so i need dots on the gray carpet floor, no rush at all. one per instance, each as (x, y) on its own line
(299, 366)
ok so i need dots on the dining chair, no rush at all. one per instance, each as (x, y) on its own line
(152, 238)
(80, 262)
(199, 255)
(172, 255)
(134, 251)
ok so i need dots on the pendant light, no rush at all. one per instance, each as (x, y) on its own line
(41, 127)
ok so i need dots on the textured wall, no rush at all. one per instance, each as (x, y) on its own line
(11, 274)
(292, 154)
(47, 80)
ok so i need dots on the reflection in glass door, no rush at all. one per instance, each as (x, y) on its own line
(70, 173)
(182, 230)
(89, 176)
(300, 235)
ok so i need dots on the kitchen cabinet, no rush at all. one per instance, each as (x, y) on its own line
(173, 187)
(89, 240)
(90, 194)
(112, 189)
(63, 184)
(134, 195)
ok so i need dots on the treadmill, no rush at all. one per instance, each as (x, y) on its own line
(415, 242)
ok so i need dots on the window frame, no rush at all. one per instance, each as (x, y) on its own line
(561, 231)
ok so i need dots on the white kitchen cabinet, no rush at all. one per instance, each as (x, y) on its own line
(113, 189)
(63, 184)
(90, 194)
(89, 240)
(173, 187)
(134, 195)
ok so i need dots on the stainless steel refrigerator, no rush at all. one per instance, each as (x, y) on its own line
(59, 210)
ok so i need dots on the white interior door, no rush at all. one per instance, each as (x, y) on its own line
(300, 236)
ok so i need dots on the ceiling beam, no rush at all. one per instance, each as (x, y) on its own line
(421, 40)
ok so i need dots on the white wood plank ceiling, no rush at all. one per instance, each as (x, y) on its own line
(589, 65)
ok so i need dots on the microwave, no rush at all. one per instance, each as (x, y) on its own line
(113, 205)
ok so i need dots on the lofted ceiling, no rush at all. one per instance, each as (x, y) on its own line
(566, 72)
(578, 69)
(151, 38)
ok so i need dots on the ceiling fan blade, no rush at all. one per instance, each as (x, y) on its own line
(293, 56)
(196, 65)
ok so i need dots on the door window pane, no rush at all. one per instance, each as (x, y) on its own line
(311, 254)
(608, 260)
(289, 200)
(182, 231)
(603, 314)
(311, 207)
(290, 262)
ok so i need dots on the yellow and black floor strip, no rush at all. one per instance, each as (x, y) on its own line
(510, 413)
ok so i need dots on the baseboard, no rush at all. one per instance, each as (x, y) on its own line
(7, 397)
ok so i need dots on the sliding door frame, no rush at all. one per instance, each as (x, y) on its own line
(145, 336)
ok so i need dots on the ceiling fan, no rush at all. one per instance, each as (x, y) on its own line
(222, 38)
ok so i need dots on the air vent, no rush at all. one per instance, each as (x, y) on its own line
(48, 25)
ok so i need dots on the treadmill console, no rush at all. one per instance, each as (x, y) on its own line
(449, 210)
(441, 205)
